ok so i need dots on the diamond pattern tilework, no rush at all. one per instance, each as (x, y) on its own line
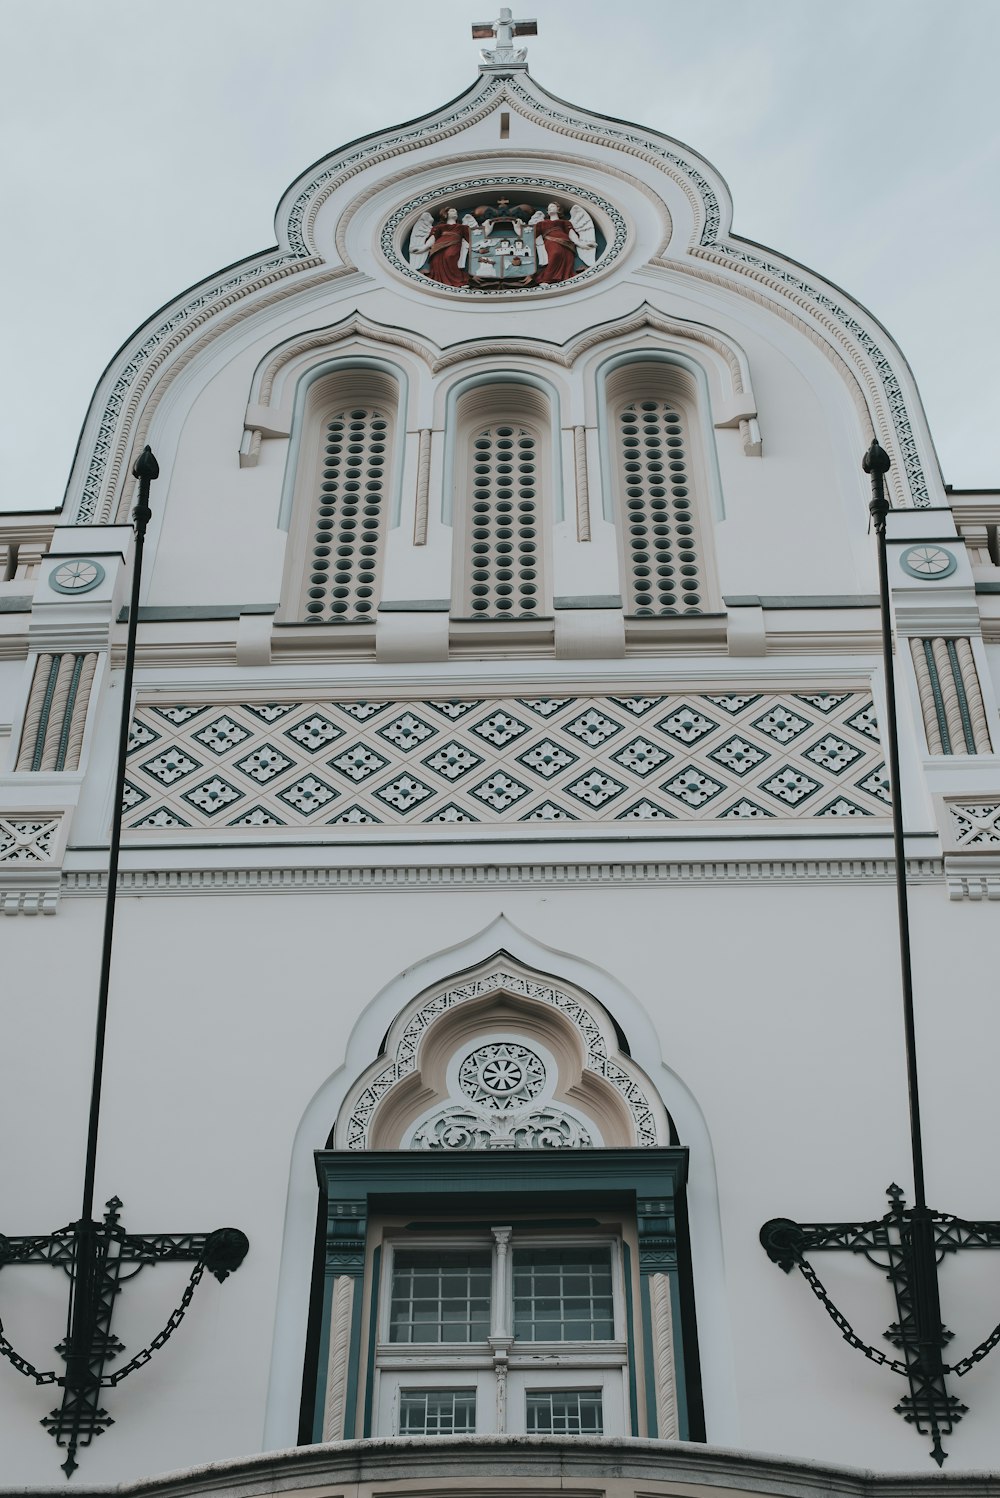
(453, 760)
(593, 727)
(547, 759)
(308, 795)
(646, 758)
(641, 757)
(221, 735)
(178, 714)
(257, 816)
(686, 725)
(264, 763)
(140, 736)
(500, 729)
(270, 712)
(738, 755)
(833, 753)
(645, 811)
(358, 762)
(314, 733)
(781, 724)
(212, 796)
(170, 766)
(407, 732)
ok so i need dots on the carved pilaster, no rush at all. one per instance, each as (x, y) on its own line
(423, 488)
(340, 1348)
(339, 1359)
(662, 1350)
(582, 484)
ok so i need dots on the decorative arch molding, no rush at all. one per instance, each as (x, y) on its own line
(502, 995)
(267, 374)
(111, 435)
(468, 160)
(612, 998)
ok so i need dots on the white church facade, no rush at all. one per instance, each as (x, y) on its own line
(506, 925)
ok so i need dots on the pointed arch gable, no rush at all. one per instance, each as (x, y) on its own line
(549, 1010)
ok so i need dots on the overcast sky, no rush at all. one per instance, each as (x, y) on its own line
(146, 144)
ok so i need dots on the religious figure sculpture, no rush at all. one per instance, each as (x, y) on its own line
(503, 244)
(440, 247)
(561, 240)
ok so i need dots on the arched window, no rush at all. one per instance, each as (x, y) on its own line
(342, 498)
(659, 482)
(502, 1295)
(503, 458)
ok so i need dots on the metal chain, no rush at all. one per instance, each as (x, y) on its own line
(21, 1364)
(976, 1355)
(846, 1329)
(176, 1317)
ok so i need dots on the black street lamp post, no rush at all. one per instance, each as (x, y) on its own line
(100, 1256)
(908, 1243)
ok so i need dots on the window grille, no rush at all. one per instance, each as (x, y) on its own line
(350, 514)
(437, 1412)
(563, 1295)
(661, 542)
(441, 1296)
(503, 561)
(564, 1412)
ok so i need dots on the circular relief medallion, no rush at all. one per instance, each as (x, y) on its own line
(502, 1076)
(81, 575)
(928, 561)
(494, 235)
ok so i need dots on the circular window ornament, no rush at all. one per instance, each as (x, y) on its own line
(81, 575)
(489, 236)
(502, 1076)
(928, 562)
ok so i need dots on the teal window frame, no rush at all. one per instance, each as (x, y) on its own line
(647, 1186)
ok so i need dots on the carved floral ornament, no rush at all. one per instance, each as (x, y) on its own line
(489, 235)
(501, 1061)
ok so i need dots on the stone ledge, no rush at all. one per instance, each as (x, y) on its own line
(435, 1465)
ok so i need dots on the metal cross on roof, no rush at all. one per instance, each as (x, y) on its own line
(504, 57)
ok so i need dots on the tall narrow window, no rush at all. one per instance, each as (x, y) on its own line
(342, 499)
(503, 457)
(659, 479)
(503, 562)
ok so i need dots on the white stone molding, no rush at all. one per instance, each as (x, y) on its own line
(146, 877)
(339, 1360)
(496, 981)
(664, 1375)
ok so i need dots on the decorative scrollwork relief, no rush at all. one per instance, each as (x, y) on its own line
(458, 1129)
(545, 1126)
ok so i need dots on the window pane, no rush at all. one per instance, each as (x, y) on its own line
(440, 1296)
(437, 1412)
(563, 1295)
(564, 1412)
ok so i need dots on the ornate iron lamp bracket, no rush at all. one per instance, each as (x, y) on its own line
(99, 1257)
(907, 1244)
